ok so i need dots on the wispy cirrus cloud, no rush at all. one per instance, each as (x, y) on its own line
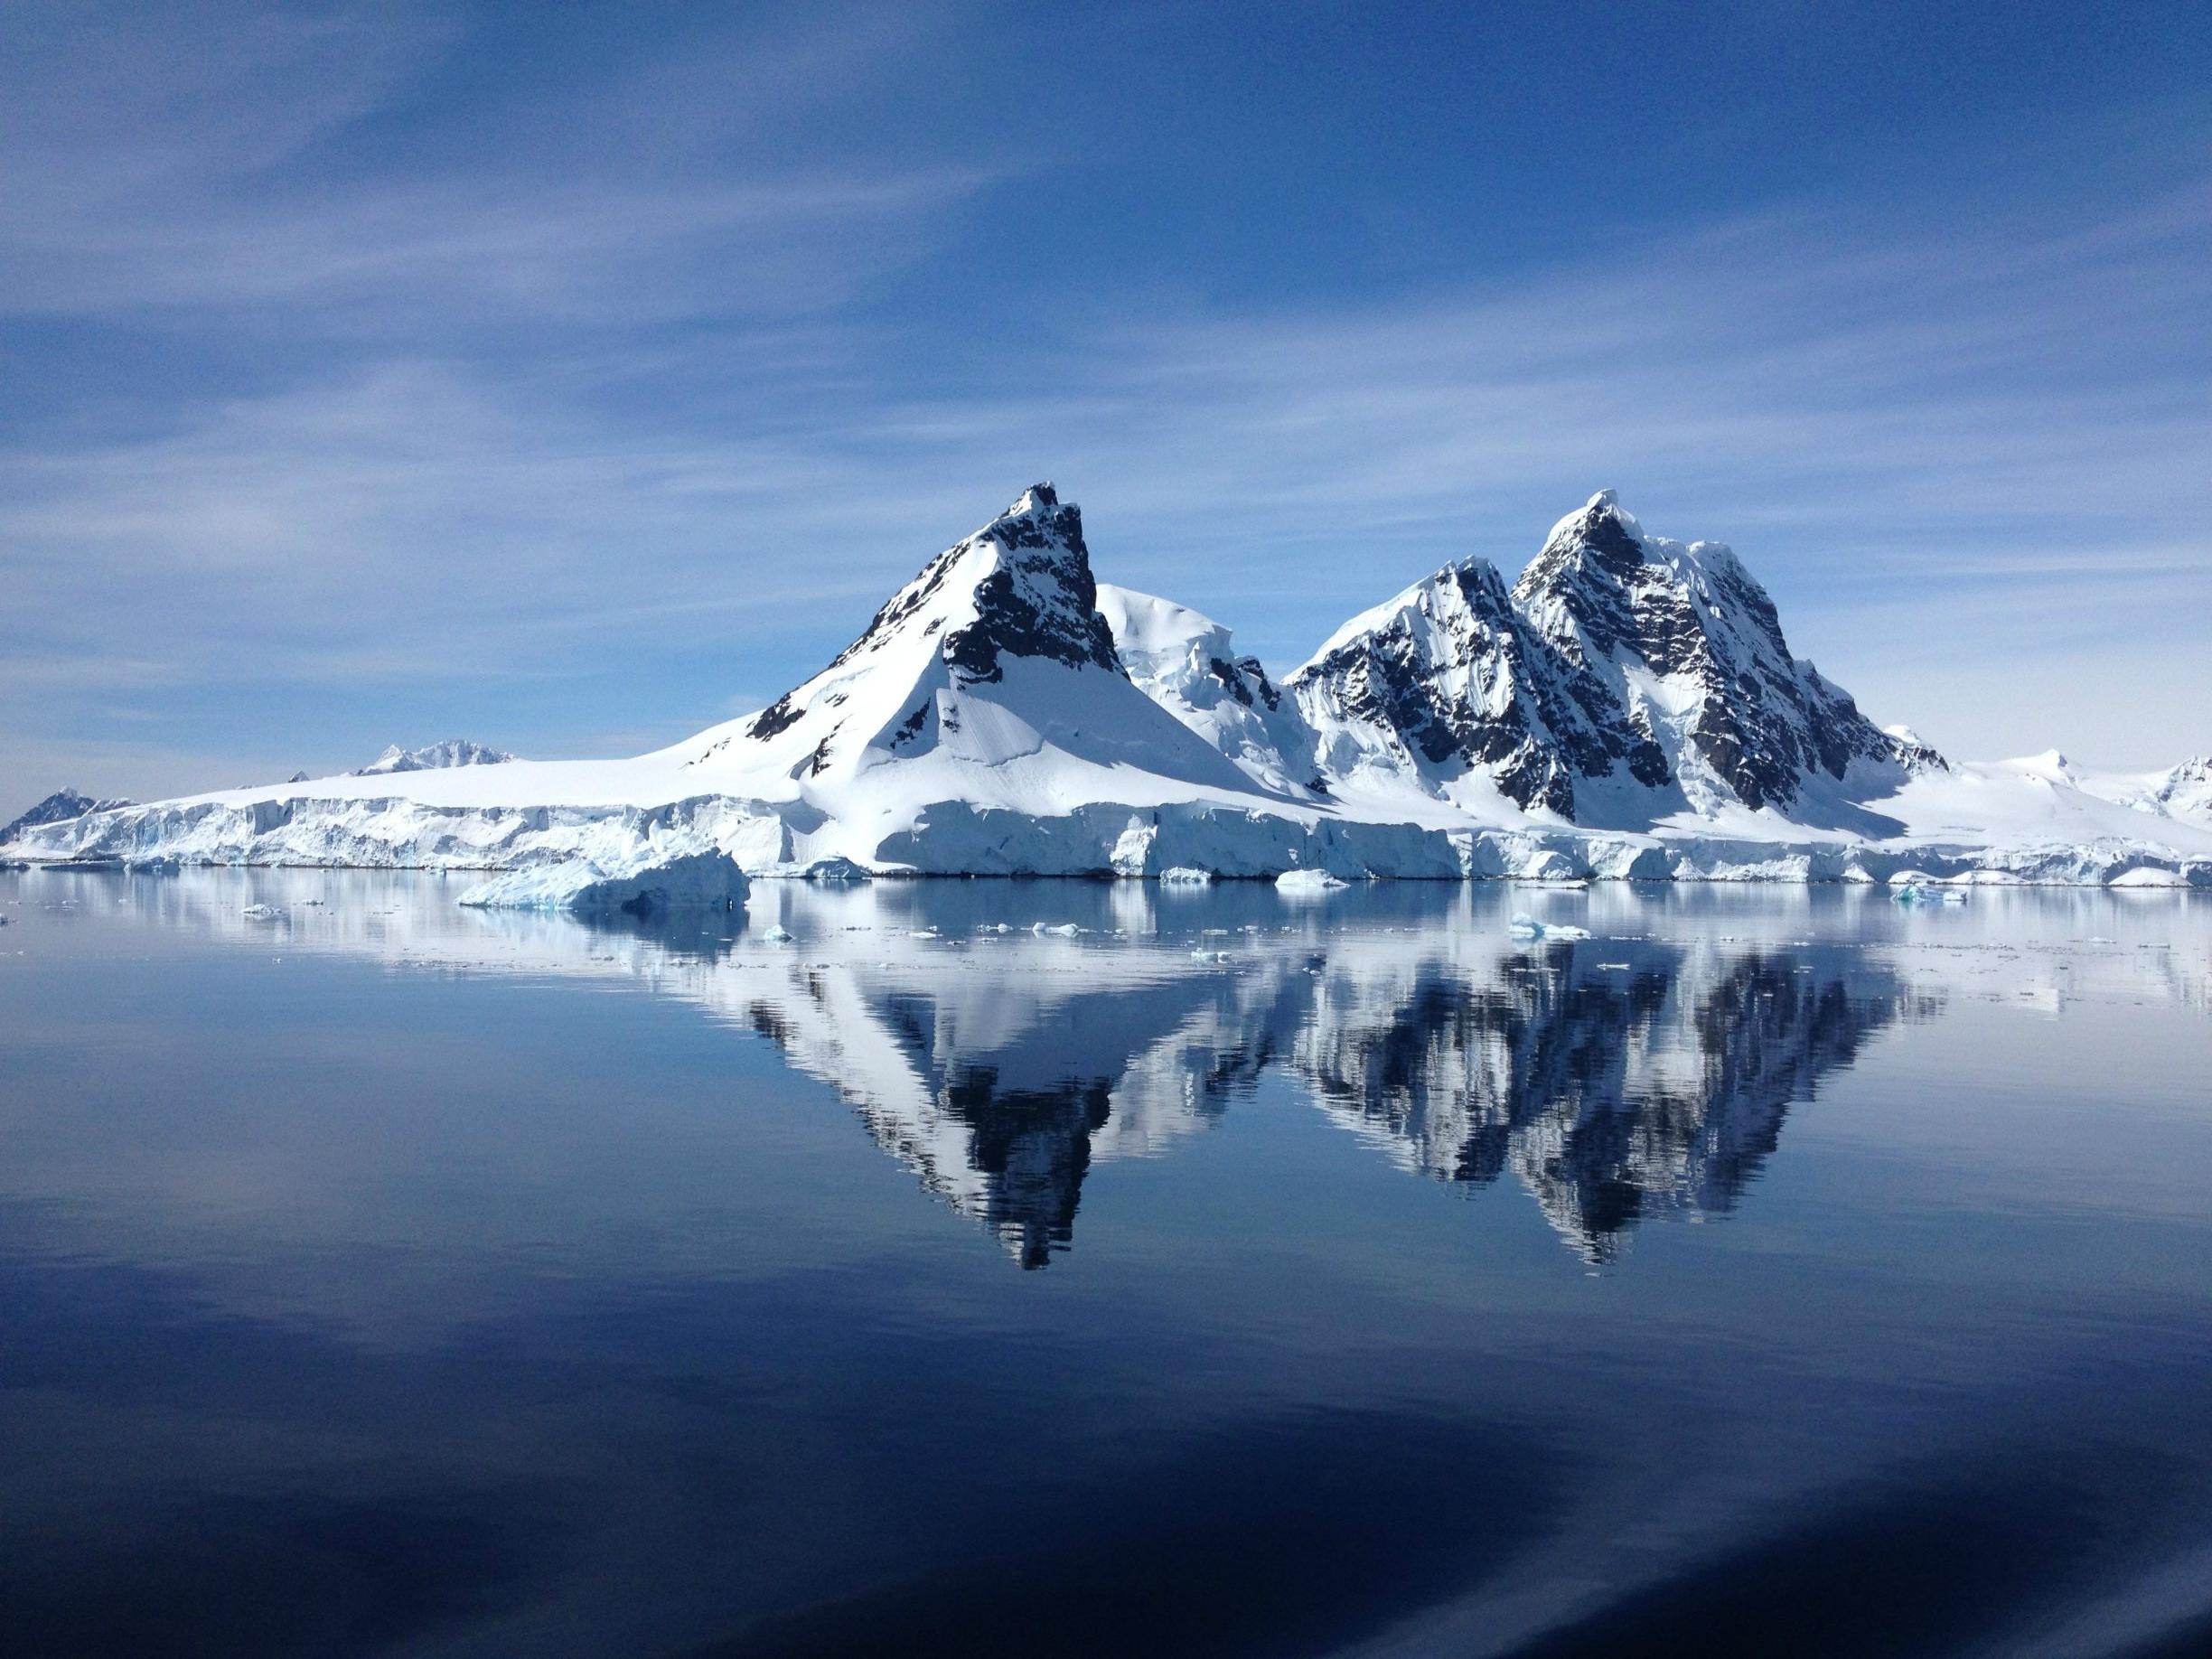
(388, 426)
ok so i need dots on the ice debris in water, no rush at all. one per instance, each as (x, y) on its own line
(1920, 893)
(262, 913)
(1525, 926)
(1209, 956)
(1066, 930)
(777, 933)
(1183, 876)
(1308, 881)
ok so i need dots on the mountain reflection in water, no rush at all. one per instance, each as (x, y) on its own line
(380, 1276)
(1613, 1078)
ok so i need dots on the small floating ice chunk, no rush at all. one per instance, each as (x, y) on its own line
(1202, 955)
(1309, 882)
(261, 912)
(777, 933)
(1183, 876)
(1066, 930)
(1525, 926)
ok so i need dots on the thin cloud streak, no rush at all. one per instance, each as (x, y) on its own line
(633, 391)
(1209, 450)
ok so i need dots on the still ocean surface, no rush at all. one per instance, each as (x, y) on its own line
(1774, 1271)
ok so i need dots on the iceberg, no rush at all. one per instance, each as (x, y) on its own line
(691, 881)
(1525, 926)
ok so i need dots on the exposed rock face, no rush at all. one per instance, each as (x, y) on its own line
(1693, 646)
(1019, 587)
(1450, 675)
(58, 808)
(1041, 600)
(995, 654)
(1620, 665)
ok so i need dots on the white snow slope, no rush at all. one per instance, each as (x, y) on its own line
(1628, 709)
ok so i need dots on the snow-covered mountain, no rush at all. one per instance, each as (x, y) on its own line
(2184, 792)
(993, 659)
(1628, 706)
(431, 757)
(1624, 680)
(58, 808)
(1184, 662)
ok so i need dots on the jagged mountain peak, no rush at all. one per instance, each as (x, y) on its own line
(1623, 676)
(1462, 587)
(1021, 585)
(994, 655)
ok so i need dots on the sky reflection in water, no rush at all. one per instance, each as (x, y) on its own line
(391, 1278)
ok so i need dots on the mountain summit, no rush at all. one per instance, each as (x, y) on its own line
(1625, 678)
(993, 657)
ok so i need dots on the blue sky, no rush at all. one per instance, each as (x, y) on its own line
(571, 378)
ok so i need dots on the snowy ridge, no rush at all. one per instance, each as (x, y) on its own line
(430, 757)
(59, 807)
(1628, 707)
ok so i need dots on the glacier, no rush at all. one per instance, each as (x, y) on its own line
(1628, 708)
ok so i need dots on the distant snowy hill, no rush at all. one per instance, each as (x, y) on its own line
(1628, 706)
(59, 807)
(432, 758)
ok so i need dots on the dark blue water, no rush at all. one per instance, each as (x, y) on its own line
(1772, 1273)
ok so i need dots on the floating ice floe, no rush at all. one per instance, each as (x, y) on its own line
(1202, 955)
(261, 912)
(1185, 876)
(1296, 881)
(1529, 927)
(1066, 930)
(1923, 893)
(692, 881)
(777, 933)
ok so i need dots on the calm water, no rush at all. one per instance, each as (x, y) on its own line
(1773, 1272)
